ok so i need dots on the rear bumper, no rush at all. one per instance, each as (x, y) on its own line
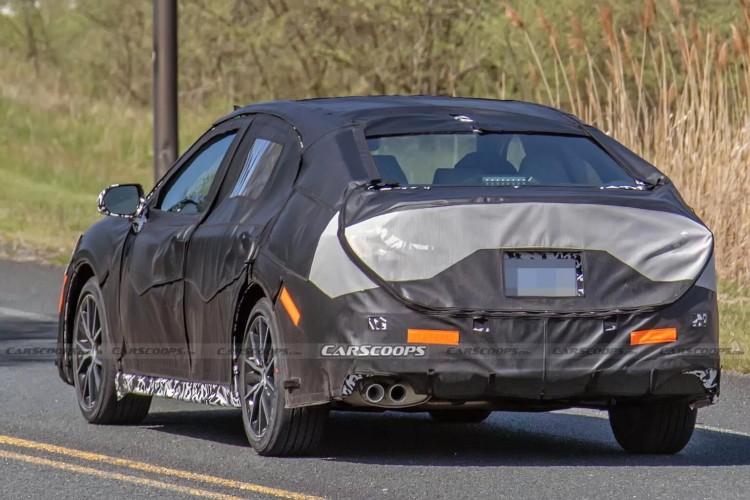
(523, 390)
(581, 361)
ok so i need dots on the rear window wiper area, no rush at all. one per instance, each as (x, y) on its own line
(637, 187)
(660, 181)
(640, 185)
(378, 184)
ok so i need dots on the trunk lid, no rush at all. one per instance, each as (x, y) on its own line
(530, 251)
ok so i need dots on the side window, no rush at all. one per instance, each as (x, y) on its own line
(258, 166)
(188, 190)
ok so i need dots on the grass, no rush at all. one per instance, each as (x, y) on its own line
(734, 326)
(56, 156)
(57, 152)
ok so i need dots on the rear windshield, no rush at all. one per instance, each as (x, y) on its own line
(495, 160)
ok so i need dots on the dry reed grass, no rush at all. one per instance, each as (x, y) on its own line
(692, 119)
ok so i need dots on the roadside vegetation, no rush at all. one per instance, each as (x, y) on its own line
(668, 78)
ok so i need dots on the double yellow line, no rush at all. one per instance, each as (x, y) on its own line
(141, 466)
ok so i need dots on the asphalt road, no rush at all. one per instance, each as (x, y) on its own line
(182, 450)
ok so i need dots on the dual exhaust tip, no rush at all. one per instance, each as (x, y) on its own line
(375, 393)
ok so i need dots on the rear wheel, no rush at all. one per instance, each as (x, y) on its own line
(661, 428)
(272, 429)
(94, 366)
(460, 416)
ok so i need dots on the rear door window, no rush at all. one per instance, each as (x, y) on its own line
(259, 163)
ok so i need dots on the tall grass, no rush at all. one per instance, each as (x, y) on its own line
(58, 150)
(680, 101)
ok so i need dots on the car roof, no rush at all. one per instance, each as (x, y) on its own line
(394, 115)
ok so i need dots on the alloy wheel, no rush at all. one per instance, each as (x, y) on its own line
(88, 359)
(258, 377)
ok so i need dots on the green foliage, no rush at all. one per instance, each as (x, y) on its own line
(254, 50)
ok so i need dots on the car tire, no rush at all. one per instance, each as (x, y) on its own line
(271, 429)
(661, 428)
(460, 416)
(94, 365)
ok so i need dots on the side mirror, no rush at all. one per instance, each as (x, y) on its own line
(121, 200)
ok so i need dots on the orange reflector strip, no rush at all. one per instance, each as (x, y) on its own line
(62, 293)
(446, 337)
(653, 336)
(290, 306)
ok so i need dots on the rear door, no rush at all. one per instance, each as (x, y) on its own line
(253, 193)
(152, 285)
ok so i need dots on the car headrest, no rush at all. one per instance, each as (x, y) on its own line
(544, 167)
(389, 169)
(488, 163)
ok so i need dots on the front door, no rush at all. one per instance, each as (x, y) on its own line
(152, 287)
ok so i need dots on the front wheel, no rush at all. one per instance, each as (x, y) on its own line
(272, 429)
(460, 416)
(661, 428)
(94, 366)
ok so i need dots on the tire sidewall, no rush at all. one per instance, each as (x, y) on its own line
(107, 390)
(639, 428)
(276, 425)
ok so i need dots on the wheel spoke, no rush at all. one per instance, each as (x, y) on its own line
(270, 387)
(252, 393)
(83, 350)
(96, 326)
(86, 313)
(93, 385)
(91, 311)
(84, 362)
(254, 365)
(97, 336)
(265, 402)
(258, 402)
(81, 331)
(84, 383)
(255, 345)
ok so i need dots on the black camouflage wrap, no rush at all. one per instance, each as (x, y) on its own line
(189, 280)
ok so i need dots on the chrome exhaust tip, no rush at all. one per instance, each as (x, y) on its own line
(374, 393)
(397, 393)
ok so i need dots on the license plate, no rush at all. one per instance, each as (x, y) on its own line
(543, 274)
